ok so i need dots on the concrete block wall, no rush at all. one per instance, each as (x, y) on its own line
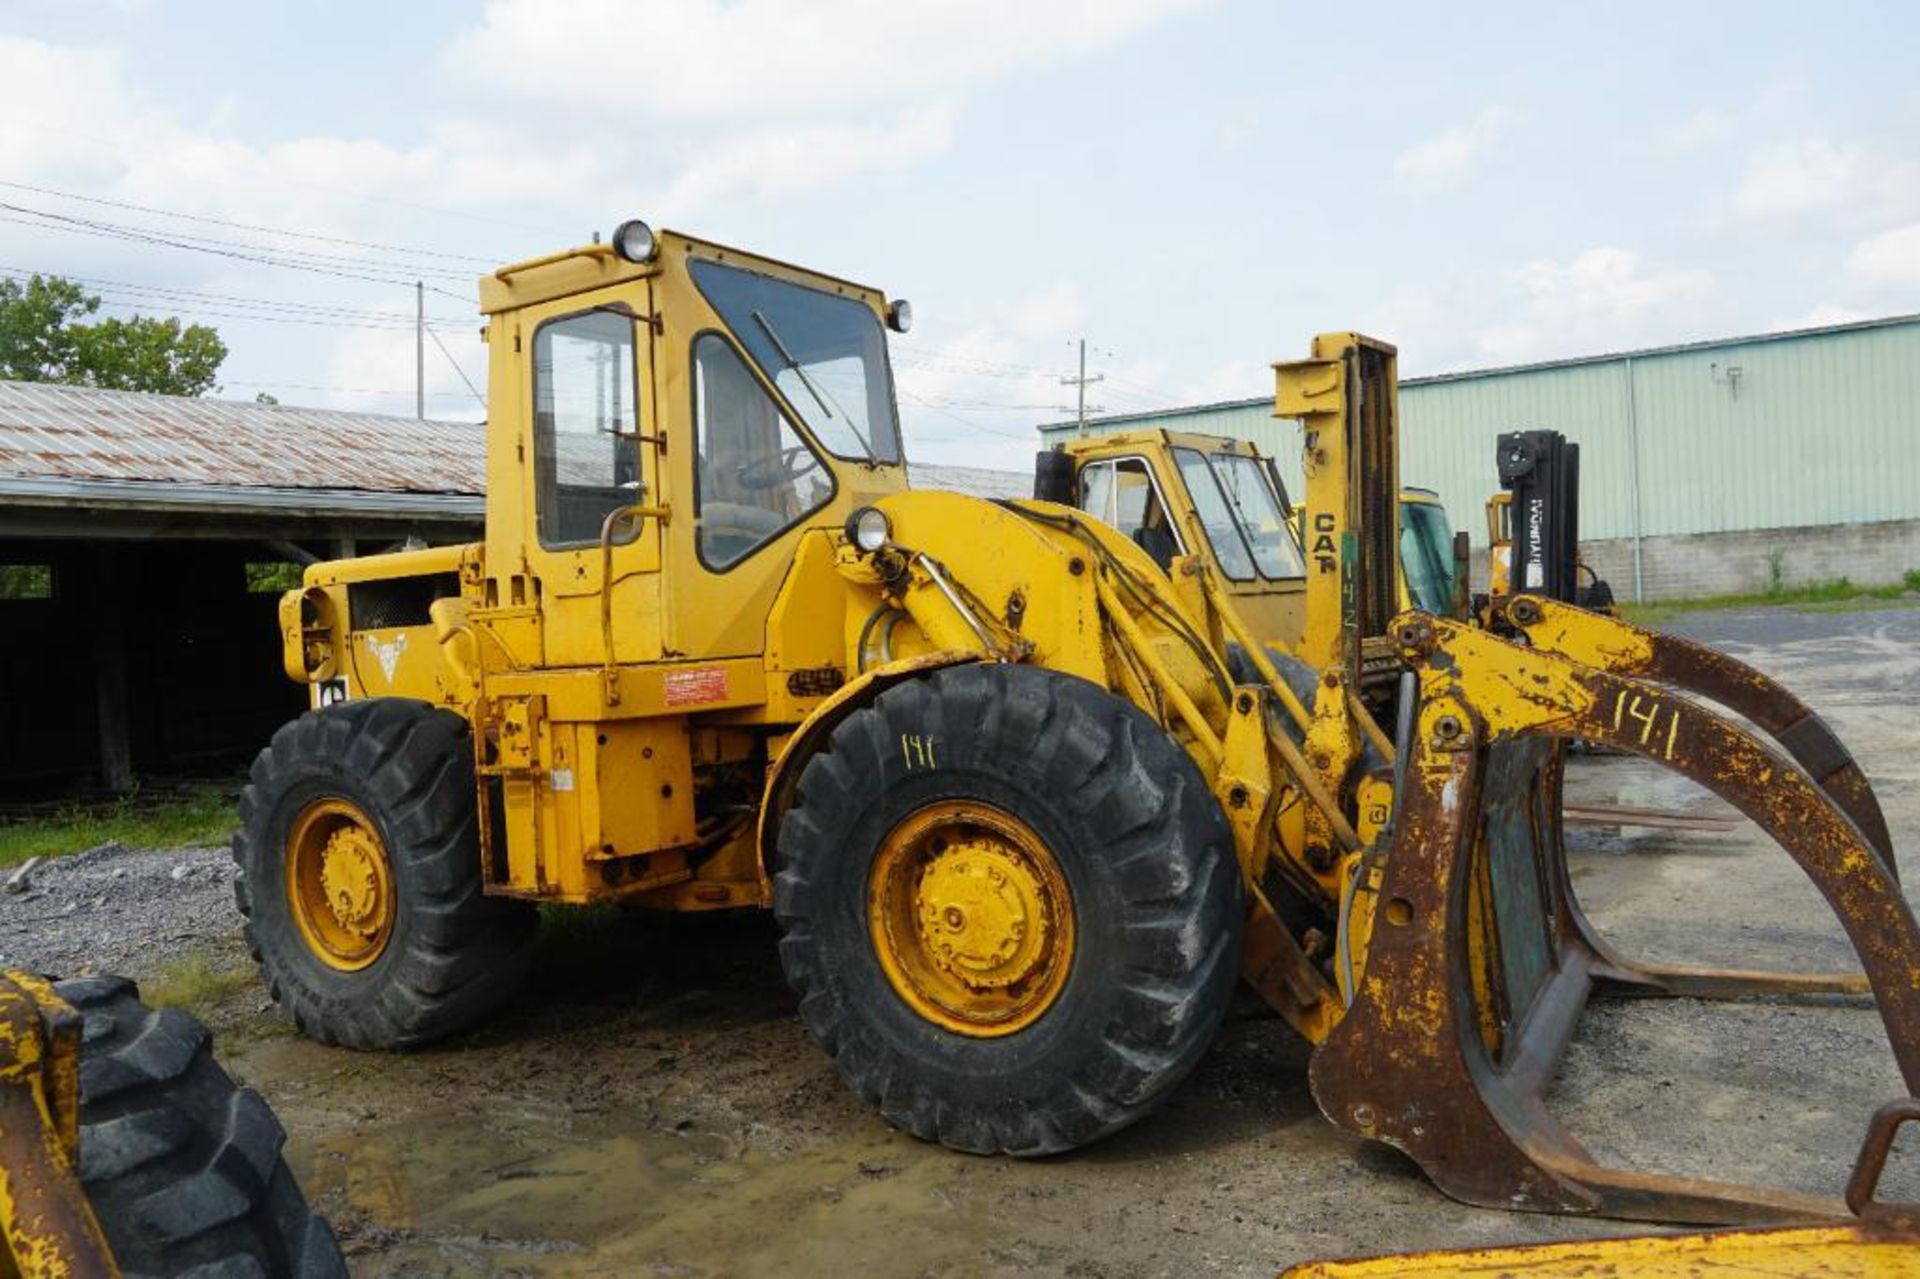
(1700, 564)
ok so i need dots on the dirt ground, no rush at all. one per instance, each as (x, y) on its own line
(652, 1104)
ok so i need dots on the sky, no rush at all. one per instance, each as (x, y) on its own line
(1193, 188)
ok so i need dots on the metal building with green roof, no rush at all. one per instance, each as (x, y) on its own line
(1706, 467)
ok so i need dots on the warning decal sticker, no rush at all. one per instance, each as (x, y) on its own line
(701, 684)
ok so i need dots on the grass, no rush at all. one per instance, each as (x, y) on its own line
(174, 821)
(195, 983)
(1838, 594)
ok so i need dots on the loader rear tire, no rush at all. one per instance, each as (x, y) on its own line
(446, 954)
(182, 1169)
(1153, 906)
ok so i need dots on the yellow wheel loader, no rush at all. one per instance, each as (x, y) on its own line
(1021, 824)
(124, 1146)
(1178, 493)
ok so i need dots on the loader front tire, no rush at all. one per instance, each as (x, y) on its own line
(1010, 906)
(360, 877)
(182, 1170)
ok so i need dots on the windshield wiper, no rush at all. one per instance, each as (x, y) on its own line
(806, 380)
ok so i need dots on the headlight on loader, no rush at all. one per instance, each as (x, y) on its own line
(869, 529)
(633, 240)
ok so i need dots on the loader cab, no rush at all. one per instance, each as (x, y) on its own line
(667, 417)
(1426, 552)
(1176, 493)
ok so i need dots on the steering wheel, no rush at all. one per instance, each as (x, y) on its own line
(766, 473)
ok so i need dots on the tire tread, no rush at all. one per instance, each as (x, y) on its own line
(463, 953)
(1167, 847)
(183, 1169)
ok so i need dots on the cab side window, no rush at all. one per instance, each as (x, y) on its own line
(755, 476)
(1121, 492)
(584, 418)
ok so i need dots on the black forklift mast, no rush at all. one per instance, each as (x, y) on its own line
(1542, 471)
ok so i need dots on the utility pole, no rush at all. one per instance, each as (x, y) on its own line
(1081, 383)
(419, 350)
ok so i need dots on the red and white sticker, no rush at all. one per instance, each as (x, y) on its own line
(700, 684)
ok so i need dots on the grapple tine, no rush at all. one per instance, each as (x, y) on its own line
(1621, 648)
(46, 1224)
(1480, 961)
(1882, 1239)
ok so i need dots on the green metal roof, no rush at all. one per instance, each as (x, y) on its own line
(1769, 431)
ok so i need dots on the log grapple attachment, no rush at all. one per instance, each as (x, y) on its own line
(1480, 960)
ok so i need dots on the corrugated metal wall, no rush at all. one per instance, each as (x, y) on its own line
(1821, 427)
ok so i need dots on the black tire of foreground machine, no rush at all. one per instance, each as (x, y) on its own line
(454, 954)
(183, 1170)
(1154, 886)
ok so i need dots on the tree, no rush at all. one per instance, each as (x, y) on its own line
(42, 339)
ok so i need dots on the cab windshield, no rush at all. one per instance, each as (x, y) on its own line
(826, 354)
(1426, 556)
(1241, 514)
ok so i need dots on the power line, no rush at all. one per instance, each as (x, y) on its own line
(395, 274)
(249, 226)
(1144, 390)
(204, 313)
(971, 426)
(457, 369)
(981, 367)
(169, 294)
(197, 312)
(949, 402)
(185, 239)
(342, 390)
(39, 127)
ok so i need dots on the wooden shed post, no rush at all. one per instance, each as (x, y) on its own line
(108, 624)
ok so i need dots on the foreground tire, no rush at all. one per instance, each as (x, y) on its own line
(1010, 906)
(360, 878)
(182, 1169)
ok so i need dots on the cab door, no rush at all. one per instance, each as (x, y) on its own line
(747, 478)
(590, 458)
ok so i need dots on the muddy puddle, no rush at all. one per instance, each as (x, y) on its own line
(448, 1192)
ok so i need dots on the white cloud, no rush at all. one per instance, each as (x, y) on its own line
(1850, 182)
(1706, 127)
(86, 84)
(1612, 283)
(1603, 298)
(759, 104)
(769, 60)
(1888, 262)
(1818, 317)
(1051, 314)
(782, 163)
(1801, 175)
(1230, 380)
(1446, 159)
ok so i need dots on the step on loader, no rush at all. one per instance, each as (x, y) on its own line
(1022, 823)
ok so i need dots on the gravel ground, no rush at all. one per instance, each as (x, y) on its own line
(651, 1103)
(116, 909)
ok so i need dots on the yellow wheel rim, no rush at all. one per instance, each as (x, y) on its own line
(339, 884)
(971, 919)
